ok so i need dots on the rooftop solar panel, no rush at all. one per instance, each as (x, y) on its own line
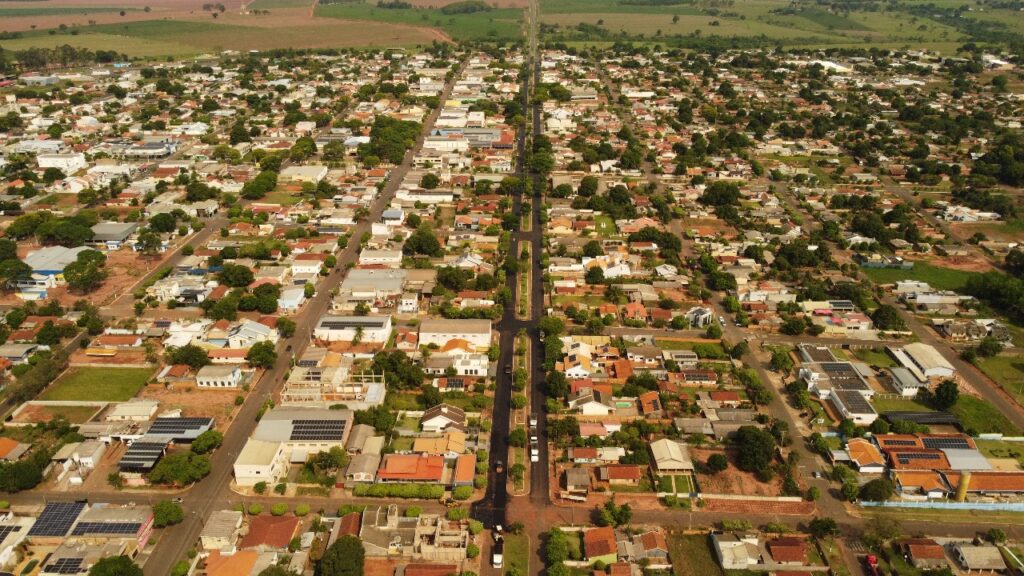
(939, 443)
(6, 530)
(899, 442)
(178, 425)
(318, 430)
(56, 519)
(87, 528)
(65, 566)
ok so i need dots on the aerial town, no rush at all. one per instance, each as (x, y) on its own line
(514, 308)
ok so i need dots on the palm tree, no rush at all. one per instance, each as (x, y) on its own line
(358, 336)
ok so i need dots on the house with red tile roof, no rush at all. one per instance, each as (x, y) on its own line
(267, 531)
(788, 550)
(599, 545)
(423, 468)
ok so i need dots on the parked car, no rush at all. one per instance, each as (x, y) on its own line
(534, 455)
(498, 554)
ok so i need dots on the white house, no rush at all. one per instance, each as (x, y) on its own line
(260, 461)
(291, 298)
(388, 258)
(247, 333)
(219, 377)
(440, 331)
(67, 163)
(373, 329)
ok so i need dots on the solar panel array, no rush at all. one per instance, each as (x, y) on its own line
(177, 426)
(90, 528)
(65, 566)
(56, 519)
(940, 443)
(142, 455)
(898, 442)
(6, 530)
(907, 458)
(317, 430)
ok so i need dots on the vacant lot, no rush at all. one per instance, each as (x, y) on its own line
(1007, 371)
(36, 413)
(693, 555)
(216, 404)
(979, 416)
(99, 384)
(517, 553)
(939, 278)
(732, 480)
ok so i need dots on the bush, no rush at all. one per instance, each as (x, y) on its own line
(472, 551)
(413, 512)
(279, 509)
(462, 493)
(180, 569)
(255, 509)
(457, 514)
(259, 487)
(302, 509)
(280, 488)
(425, 491)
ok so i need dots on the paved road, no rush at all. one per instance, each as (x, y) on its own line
(213, 493)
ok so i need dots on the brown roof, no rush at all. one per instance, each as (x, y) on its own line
(619, 569)
(654, 541)
(270, 531)
(465, 467)
(923, 548)
(240, 563)
(990, 481)
(350, 524)
(599, 542)
(788, 549)
(623, 472)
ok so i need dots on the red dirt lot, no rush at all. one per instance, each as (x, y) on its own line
(733, 480)
(216, 404)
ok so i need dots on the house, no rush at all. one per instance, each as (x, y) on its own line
(853, 405)
(788, 550)
(923, 553)
(577, 480)
(439, 331)
(219, 377)
(291, 298)
(411, 468)
(591, 402)
(221, 530)
(135, 410)
(450, 444)
(12, 450)
(621, 474)
(372, 329)
(312, 173)
(363, 467)
(239, 563)
(700, 317)
(113, 235)
(865, 456)
(982, 558)
(671, 457)
(426, 537)
(443, 417)
(270, 532)
(599, 545)
(17, 353)
(260, 461)
(736, 552)
(650, 405)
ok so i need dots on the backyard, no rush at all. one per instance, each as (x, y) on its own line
(99, 384)
(696, 550)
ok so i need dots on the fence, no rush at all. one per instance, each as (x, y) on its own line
(991, 506)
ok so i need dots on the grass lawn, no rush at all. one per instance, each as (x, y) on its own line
(517, 553)
(938, 278)
(1007, 371)
(699, 558)
(684, 485)
(644, 486)
(883, 405)
(1002, 449)
(99, 384)
(492, 24)
(835, 557)
(402, 402)
(402, 443)
(73, 414)
(409, 423)
(874, 357)
(575, 541)
(979, 416)
(605, 225)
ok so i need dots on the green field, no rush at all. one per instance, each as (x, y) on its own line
(982, 417)
(493, 24)
(1007, 371)
(1002, 449)
(132, 46)
(517, 553)
(98, 384)
(874, 357)
(938, 278)
(19, 11)
(696, 550)
(883, 405)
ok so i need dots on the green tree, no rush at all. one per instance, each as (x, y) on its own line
(823, 527)
(87, 272)
(236, 276)
(167, 513)
(946, 395)
(756, 449)
(115, 566)
(286, 326)
(189, 354)
(262, 355)
(207, 441)
(886, 317)
(717, 463)
(343, 558)
(877, 490)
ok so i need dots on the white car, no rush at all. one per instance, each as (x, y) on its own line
(533, 421)
(534, 455)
